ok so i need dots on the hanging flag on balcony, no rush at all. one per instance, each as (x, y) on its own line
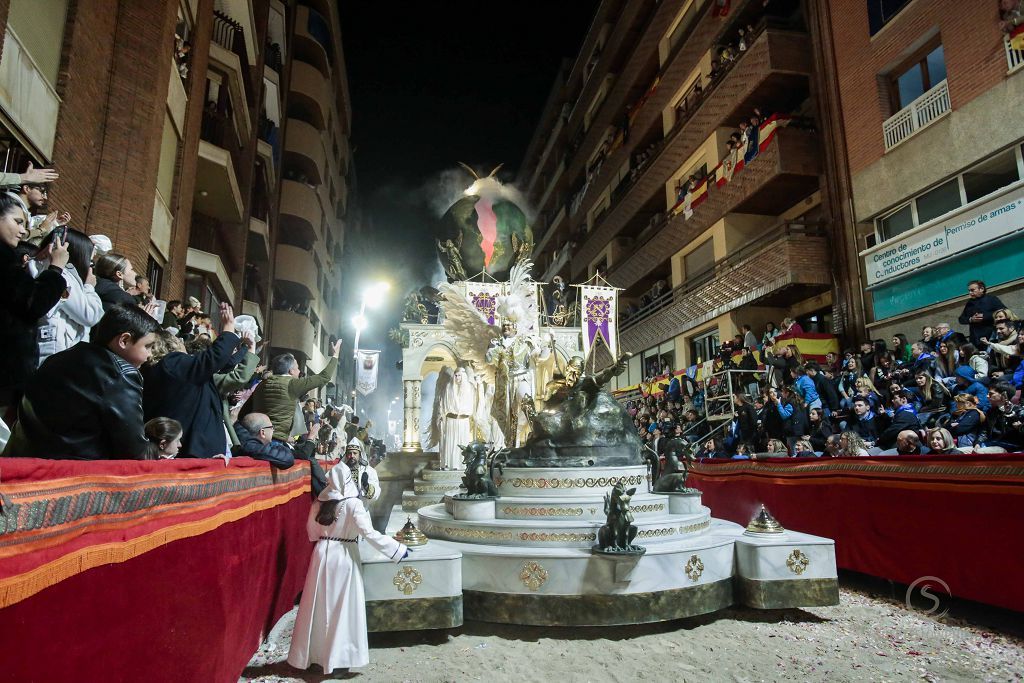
(366, 371)
(734, 161)
(484, 297)
(600, 317)
(1016, 36)
(690, 201)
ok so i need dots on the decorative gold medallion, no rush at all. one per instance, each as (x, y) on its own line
(694, 568)
(533, 575)
(797, 562)
(407, 580)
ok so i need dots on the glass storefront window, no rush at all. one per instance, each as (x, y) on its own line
(939, 201)
(897, 222)
(992, 175)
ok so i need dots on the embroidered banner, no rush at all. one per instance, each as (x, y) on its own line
(484, 297)
(599, 307)
(366, 371)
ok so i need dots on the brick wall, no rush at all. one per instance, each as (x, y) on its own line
(973, 46)
(113, 80)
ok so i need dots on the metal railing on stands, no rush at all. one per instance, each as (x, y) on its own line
(726, 264)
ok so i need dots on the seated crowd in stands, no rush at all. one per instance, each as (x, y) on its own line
(944, 393)
(89, 372)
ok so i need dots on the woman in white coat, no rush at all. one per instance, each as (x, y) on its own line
(80, 308)
(330, 628)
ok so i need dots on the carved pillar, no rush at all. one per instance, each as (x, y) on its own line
(411, 429)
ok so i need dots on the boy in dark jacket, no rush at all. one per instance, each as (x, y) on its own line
(85, 403)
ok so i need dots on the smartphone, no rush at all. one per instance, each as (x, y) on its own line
(61, 231)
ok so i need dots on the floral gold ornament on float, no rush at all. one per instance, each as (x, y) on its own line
(797, 562)
(407, 580)
(694, 568)
(533, 575)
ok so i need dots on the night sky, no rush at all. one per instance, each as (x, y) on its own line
(432, 84)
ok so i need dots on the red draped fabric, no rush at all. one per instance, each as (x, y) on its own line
(900, 518)
(166, 571)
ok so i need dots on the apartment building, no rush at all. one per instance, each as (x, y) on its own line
(931, 95)
(648, 105)
(207, 138)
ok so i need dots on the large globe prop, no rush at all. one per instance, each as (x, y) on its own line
(484, 227)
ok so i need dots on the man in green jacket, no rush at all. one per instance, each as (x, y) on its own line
(278, 395)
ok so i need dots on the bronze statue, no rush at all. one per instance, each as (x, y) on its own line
(451, 258)
(677, 468)
(581, 424)
(480, 463)
(617, 534)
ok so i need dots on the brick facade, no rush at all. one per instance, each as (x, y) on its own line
(975, 61)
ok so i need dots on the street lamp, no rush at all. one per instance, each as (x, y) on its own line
(372, 296)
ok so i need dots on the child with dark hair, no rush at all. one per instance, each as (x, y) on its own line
(164, 436)
(86, 403)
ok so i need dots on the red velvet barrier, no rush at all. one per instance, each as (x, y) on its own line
(956, 518)
(193, 609)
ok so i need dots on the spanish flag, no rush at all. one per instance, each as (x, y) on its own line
(690, 201)
(811, 346)
(1017, 38)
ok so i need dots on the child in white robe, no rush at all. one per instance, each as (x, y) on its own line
(330, 628)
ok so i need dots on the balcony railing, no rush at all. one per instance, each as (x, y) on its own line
(229, 34)
(723, 266)
(273, 57)
(1014, 58)
(917, 115)
(214, 127)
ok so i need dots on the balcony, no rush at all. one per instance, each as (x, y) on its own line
(790, 263)
(212, 266)
(228, 55)
(216, 188)
(256, 311)
(773, 72)
(27, 98)
(310, 96)
(258, 246)
(300, 216)
(293, 332)
(304, 151)
(785, 172)
(916, 116)
(1014, 58)
(313, 39)
(295, 272)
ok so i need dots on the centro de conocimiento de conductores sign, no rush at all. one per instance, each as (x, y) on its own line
(932, 242)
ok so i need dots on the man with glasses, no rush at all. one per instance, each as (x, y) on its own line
(256, 440)
(35, 199)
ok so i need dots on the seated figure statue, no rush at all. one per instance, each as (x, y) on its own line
(581, 424)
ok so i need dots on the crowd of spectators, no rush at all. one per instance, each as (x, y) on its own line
(945, 393)
(95, 367)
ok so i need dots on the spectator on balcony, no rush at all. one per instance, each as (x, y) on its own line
(256, 440)
(770, 333)
(749, 338)
(947, 359)
(23, 301)
(931, 395)
(921, 359)
(824, 386)
(967, 383)
(928, 336)
(867, 390)
(180, 385)
(141, 290)
(86, 403)
(31, 176)
(820, 429)
(847, 384)
(852, 445)
(944, 333)
(974, 359)
(68, 322)
(901, 348)
(804, 387)
(753, 139)
(978, 310)
(114, 276)
(903, 418)
(867, 356)
(865, 422)
(164, 436)
(967, 420)
(1004, 424)
(941, 442)
(278, 395)
(172, 315)
(791, 326)
(1003, 350)
(34, 198)
(780, 362)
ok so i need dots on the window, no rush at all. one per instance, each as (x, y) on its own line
(155, 274)
(995, 173)
(989, 176)
(897, 222)
(881, 12)
(704, 347)
(700, 260)
(937, 201)
(923, 74)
